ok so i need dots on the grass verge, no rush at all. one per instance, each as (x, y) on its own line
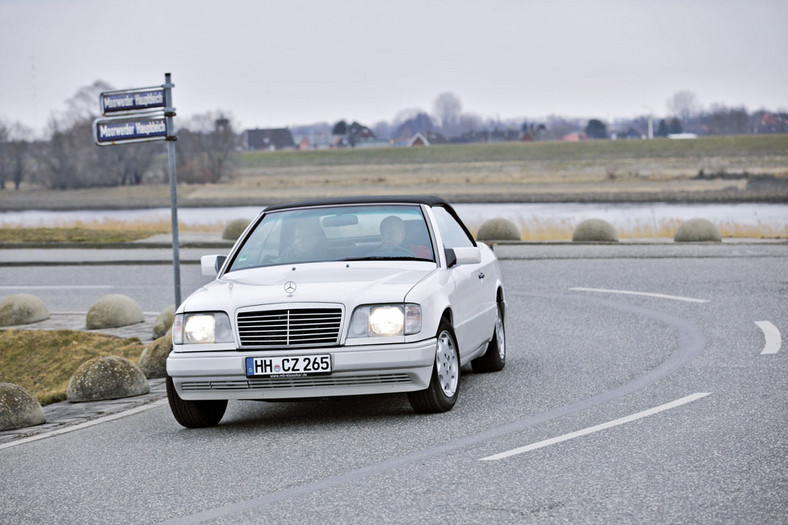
(532, 230)
(73, 234)
(43, 361)
(100, 231)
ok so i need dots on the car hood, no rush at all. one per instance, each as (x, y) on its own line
(346, 283)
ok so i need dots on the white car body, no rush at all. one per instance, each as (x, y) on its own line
(468, 295)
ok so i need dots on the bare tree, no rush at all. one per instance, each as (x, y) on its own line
(206, 148)
(558, 126)
(14, 153)
(5, 162)
(683, 104)
(419, 123)
(382, 129)
(84, 105)
(722, 120)
(222, 143)
(448, 110)
(469, 122)
(70, 159)
(405, 114)
(127, 164)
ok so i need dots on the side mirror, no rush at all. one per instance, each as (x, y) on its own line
(457, 256)
(211, 264)
(451, 258)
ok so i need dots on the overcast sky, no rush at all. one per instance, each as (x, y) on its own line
(282, 63)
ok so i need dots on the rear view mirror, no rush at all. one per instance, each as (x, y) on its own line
(335, 221)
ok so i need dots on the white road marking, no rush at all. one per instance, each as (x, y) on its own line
(59, 287)
(647, 294)
(597, 428)
(86, 424)
(772, 335)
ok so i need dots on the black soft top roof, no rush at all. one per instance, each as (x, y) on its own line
(372, 199)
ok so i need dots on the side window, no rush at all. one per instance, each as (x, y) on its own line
(453, 234)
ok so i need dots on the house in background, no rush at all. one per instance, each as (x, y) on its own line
(418, 140)
(267, 139)
(315, 141)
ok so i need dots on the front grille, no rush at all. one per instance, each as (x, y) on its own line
(294, 382)
(288, 328)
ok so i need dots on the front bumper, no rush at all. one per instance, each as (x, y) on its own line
(357, 370)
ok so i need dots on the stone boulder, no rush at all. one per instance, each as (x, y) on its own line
(234, 229)
(164, 322)
(107, 377)
(698, 230)
(18, 408)
(153, 360)
(498, 230)
(595, 230)
(112, 311)
(22, 308)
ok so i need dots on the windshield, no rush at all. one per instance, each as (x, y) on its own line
(340, 233)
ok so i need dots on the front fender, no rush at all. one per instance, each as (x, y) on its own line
(433, 294)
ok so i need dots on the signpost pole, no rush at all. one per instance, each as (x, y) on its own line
(143, 115)
(176, 257)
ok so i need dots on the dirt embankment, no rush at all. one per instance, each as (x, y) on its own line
(711, 169)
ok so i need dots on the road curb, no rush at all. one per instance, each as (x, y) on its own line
(109, 245)
(65, 416)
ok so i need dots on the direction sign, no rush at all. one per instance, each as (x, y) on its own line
(109, 131)
(116, 102)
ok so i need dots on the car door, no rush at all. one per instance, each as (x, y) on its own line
(472, 297)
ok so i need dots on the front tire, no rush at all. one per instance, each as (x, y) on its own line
(194, 414)
(442, 392)
(494, 359)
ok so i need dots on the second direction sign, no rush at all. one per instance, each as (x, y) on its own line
(109, 131)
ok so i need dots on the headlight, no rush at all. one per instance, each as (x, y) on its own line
(202, 328)
(385, 320)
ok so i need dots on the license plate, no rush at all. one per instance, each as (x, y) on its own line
(293, 365)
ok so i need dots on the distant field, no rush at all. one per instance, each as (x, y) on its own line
(709, 169)
(705, 148)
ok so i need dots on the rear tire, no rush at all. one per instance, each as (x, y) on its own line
(441, 394)
(194, 414)
(494, 359)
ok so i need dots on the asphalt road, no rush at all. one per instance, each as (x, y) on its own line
(613, 408)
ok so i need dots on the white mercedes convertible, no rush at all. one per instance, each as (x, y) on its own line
(340, 297)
